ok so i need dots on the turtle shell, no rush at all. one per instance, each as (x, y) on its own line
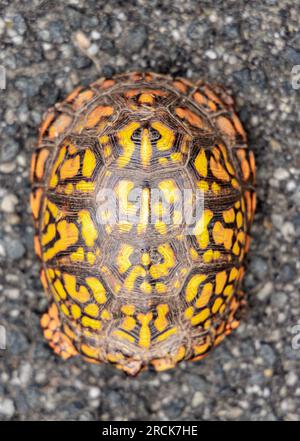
(142, 198)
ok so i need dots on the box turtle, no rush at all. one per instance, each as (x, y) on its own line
(137, 274)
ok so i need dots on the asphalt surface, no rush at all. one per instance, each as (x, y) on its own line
(49, 47)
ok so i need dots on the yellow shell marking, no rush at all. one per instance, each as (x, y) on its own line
(146, 148)
(146, 259)
(193, 286)
(49, 235)
(167, 334)
(176, 157)
(218, 170)
(198, 318)
(88, 230)
(170, 190)
(91, 258)
(58, 286)
(201, 231)
(81, 295)
(215, 188)
(203, 185)
(161, 322)
(123, 335)
(123, 258)
(145, 333)
(216, 306)
(89, 163)
(106, 315)
(78, 255)
(122, 190)
(201, 163)
(146, 98)
(200, 349)
(239, 219)
(233, 274)
(128, 324)
(85, 187)
(92, 309)
(162, 269)
(128, 309)
(124, 136)
(97, 288)
(54, 178)
(137, 271)
(91, 323)
(70, 168)
(205, 295)
(220, 282)
(46, 218)
(146, 287)
(211, 255)
(167, 138)
(89, 351)
(64, 310)
(189, 312)
(222, 235)
(180, 354)
(160, 288)
(69, 188)
(228, 291)
(106, 144)
(229, 215)
(158, 209)
(161, 227)
(75, 311)
(68, 233)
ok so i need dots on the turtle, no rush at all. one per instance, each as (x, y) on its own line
(143, 196)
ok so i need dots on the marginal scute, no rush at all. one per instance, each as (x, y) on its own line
(162, 283)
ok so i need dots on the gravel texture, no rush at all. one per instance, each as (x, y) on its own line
(47, 48)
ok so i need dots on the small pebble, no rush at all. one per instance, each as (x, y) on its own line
(198, 399)
(8, 203)
(7, 407)
(281, 174)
